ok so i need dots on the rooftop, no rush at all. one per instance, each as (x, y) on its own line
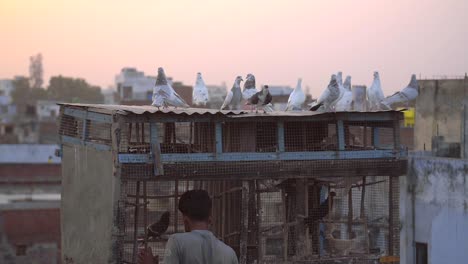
(29, 154)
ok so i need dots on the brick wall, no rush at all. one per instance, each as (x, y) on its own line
(30, 234)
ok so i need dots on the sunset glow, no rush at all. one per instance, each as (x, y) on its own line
(278, 41)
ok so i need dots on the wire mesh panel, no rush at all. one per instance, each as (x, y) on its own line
(249, 137)
(317, 220)
(310, 136)
(369, 135)
(174, 137)
(70, 126)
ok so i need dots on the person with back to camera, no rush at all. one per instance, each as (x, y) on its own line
(197, 245)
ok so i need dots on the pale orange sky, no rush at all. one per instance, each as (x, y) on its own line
(278, 41)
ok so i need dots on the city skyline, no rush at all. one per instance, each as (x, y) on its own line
(277, 41)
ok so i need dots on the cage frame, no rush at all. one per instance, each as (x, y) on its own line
(385, 162)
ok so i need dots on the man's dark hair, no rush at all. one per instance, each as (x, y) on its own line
(196, 205)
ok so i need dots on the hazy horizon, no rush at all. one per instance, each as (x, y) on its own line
(278, 41)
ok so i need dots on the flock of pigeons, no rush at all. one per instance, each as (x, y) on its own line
(337, 97)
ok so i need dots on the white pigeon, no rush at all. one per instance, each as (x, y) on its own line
(163, 93)
(200, 94)
(404, 96)
(328, 97)
(375, 93)
(346, 96)
(234, 96)
(249, 87)
(296, 98)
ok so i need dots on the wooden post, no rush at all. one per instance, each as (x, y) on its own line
(300, 211)
(340, 135)
(85, 131)
(363, 196)
(375, 137)
(137, 125)
(219, 137)
(244, 222)
(365, 137)
(135, 224)
(129, 138)
(390, 217)
(156, 149)
(259, 225)
(308, 246)
(285, 226)
(350, 213)
(280, 135)
(223, 211)
(145, 213)
(190, 138)
(176, 205)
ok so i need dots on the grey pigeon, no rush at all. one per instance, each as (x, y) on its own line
(200, 94)
(375, 93)
(404, 96)
(234, 96)
(296, 98)
(328, 97)
(249, 87)
(262, 98)
(163, 93)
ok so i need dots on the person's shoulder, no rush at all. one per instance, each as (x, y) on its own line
(179, 236)
(227, 249)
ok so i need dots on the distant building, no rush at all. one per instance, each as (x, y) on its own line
(132, 84)
(6, 88)
(280, 96)
(110, 96)
(30, 191)
(185, 91)
(47, 110)
(135, 88)
(217, 94)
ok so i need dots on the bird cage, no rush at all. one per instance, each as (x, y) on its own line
(286, 186)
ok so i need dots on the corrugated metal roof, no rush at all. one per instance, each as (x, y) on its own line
(137, 109)
(29, 154)
(196, 111)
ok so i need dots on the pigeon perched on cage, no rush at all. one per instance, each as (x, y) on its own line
(375, 93)
(234, 96)
(158, 228)
(296, 98)
(404, 96)
(249, 87)
(346, 96)
(163, 93)
(262, 98)
(200, 94)
(328, 97)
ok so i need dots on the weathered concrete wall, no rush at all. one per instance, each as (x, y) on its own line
(439, 111)
(435, 193)
(87, 211)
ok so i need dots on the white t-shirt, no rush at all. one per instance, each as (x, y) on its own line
(198, 247)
